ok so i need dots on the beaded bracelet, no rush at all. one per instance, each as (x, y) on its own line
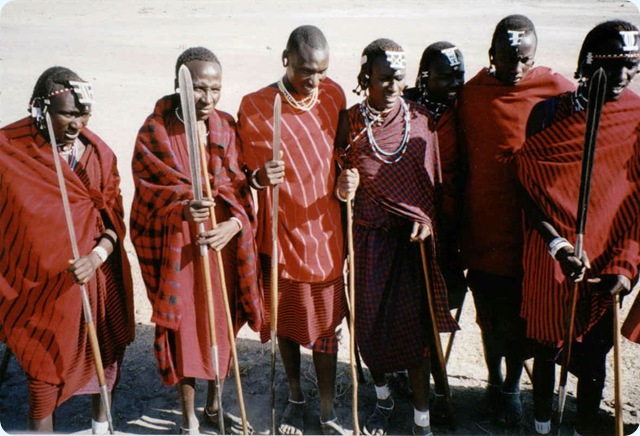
(557, 244)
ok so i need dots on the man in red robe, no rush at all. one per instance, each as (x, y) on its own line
(311, 301)
(164, 231)
(549, 168)
(40, 305)
(493, 110)
(440, 79)
(390, 152)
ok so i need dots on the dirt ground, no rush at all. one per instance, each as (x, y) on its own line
(128, 49)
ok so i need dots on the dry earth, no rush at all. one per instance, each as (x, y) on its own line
(128, 49)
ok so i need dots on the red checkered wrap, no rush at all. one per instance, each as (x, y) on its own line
(392, 316)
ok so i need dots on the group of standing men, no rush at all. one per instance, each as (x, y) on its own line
(437, 175)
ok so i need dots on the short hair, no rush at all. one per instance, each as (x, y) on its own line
(600, 39)
(371, 52)
(308, 35)
(430, 54)
(512, 22)
(50, 79)
(196, 54)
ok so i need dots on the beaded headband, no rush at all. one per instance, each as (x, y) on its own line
(629, 44)
(451, 56)
(515, 37)
(397, 59)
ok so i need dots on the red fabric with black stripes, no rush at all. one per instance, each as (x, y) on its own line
(169, 259)
(549, 167)
(40, 306)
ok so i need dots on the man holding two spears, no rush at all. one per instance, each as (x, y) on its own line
(165, 230)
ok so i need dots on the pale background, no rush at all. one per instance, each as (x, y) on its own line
(128, 50)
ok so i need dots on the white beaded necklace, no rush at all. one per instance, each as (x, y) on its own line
(303, 105)
(373, 117)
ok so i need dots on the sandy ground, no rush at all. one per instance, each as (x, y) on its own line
(128, 49)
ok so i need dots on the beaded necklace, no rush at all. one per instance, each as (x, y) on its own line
(373, 117)
(70, 153)
(579, 99)
(303, 105)
(182, 121)
(436, 109)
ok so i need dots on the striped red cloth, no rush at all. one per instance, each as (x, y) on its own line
(310, 240)
(549, 167)
(392, 313)
(40, 306)
(169, 257)
(492, 121)
(309, 224)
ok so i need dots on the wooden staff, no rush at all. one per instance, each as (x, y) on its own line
(352, 317)
(617, 372)
(452, 336)
(432, 312)
(187, 104)
(597, 89)
(86, 305)
(277, 108)
(202, 139)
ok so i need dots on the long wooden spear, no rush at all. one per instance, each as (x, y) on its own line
(187, 103)
(597, 89)
(223, 283)
(86, 305)
(432, 312)
(617, 371)
(352, 317)
(277, 108)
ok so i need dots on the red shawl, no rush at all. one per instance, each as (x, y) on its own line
(406, 188)
(549, 167)
(492, 122)
(40, 305)
(163, 185)
(310, 229)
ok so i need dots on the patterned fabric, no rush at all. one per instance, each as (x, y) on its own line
(315, 328)
(309, 224)
(167, 253)
(631, 326)
(392, 317)
(40, 305)
(492, 122)
(549, 167)
(310, 242)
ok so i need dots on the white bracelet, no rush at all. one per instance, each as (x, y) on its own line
(236, 220)
(101, 252)
(557, 244)
(253, 181)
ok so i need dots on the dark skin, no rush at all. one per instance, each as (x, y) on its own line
(444, 82)
(385, 87)
(68, 118)
(512, 62)
(305, 69)
(207, 87)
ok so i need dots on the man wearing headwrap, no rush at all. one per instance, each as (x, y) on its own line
(40, 302)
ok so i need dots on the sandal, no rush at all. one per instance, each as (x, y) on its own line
(189, 430)
(512, 408)
(292, 420)
(232, 423)
(378, 422)
(422, 431)
(332, 427)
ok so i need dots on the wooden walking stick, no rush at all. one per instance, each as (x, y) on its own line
(452, 336)
(597, 89)
(432, 312)
(223, 283)
(86, 304)
(352, 317)
(617, 370)
(277, 109)
(187, 105)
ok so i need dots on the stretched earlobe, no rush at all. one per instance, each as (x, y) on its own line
(285, 61)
